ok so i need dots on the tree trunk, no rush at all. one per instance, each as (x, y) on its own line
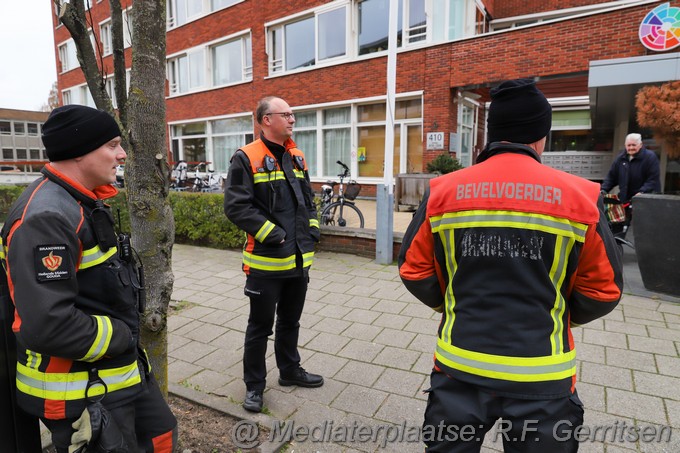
(146, 176)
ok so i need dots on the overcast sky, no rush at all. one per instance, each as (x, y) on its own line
(27, 66)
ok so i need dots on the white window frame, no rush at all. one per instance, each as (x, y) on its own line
(278, 66)
(246, 44)
(467, 100)
(105, 37)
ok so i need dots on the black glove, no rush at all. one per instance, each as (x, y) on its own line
(96, 432)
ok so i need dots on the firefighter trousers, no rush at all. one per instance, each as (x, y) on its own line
(285, 298)
(459, 415)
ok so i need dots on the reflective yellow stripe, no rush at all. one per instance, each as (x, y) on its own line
(264, 231)
(558, 273)
(451, 268)
(510, 219)
(101, 342)
(307, 259)
(518, 369)
(264, 263)
(275, 175)
(269, 176)
(95, 256)
(33, 359)
(314, 223)
(71, 386)
(2, 250)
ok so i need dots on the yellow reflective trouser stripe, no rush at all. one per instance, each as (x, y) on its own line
(2, 250)
(263, 232)
(95, 256)
(510, 219)
(314, 223)
(101, 342)
(275, 264)
(71, 386)
(518, 369)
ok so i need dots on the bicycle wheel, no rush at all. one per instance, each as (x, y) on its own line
(342, 215)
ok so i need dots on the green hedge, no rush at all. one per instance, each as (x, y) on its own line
(199, 217)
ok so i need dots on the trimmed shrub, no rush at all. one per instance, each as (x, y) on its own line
(199, 217)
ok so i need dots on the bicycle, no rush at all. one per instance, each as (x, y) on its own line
(340, 210)
(208, 183)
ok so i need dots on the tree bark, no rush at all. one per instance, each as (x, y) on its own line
(142, 117)
(146, 176)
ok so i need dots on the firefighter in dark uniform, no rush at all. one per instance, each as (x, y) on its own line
(513, 254)
(268, 195)
(75, 289)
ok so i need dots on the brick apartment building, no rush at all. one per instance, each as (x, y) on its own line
(328, 60)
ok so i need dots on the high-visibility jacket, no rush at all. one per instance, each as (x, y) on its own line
(76, 315)
(513, 252)
(273, 203)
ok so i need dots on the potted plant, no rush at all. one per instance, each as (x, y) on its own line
(657, 217)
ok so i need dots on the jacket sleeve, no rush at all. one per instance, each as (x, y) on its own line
(598, 281)
(652, 181)
(241, 206)
(416, 261)
(50, 323)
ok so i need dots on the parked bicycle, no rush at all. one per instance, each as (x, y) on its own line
(339, 209)
(208, 182)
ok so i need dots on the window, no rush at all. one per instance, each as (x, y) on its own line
(374, 17)
(19, 128)
(228, 135)
(67, 56)
(66, 97)
(187, 72)
(571, 131)
(213, 141)
(35, 154)
(305, 137)
(179, 12)
(128, 32)
(456, 19)
(33, 129)
(110, 87)
(5, 128)
(336, 138)
(105, 37)
(232, 62)
(308, 41)
(8, 154)
(86, 96)
(21, 154)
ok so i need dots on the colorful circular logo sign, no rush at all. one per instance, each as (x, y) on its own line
(660, 29)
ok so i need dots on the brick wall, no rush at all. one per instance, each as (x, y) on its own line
(509, 8)
(354, 241)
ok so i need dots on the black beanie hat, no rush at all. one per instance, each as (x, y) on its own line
(519, 113)
(74, 130)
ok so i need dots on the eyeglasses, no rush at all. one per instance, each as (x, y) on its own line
(286, 115)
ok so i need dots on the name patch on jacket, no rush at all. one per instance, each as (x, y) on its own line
(52, 262)
(516, 190)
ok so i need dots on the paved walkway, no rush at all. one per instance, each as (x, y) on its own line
(373, 343)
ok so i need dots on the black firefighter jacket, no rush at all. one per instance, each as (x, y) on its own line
(76, 318)
(273, 203)
(513, 253)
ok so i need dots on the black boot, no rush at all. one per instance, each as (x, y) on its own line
(253, 402)
(300, 378)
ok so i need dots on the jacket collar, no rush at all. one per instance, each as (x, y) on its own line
(77, 190)
(496, 148)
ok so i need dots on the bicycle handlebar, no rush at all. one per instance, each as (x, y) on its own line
(346, 172)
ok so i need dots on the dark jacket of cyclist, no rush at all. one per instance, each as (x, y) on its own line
(268, 195)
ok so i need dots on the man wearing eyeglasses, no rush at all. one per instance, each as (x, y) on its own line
(268, 195)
